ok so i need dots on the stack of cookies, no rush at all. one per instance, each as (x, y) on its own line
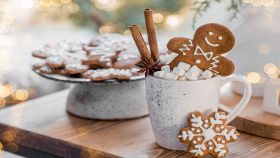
(107, 56)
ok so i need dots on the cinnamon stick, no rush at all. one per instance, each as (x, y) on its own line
(150, 26)
(140, 43)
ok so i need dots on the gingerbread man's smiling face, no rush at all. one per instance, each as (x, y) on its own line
(214, 37)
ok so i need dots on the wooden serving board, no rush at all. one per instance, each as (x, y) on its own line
(43, 124)
(253, 119)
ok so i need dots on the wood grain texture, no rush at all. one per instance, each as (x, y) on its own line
(253, 119)
(43, 124)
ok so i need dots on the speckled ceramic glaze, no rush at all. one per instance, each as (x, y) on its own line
(170, 102)
(122, 100)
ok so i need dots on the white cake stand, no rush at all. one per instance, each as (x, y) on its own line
(106, 100)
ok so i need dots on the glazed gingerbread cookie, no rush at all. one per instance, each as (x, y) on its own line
(208, 135)
(205, 51)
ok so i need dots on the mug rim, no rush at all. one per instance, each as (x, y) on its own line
(187, 81)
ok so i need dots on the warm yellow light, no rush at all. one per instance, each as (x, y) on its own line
(8, 136)
(106, 29)
(11, 86)
(45, 3)
(1, 147)
(270, 69)
(4, 91)
(108, 5)
(66, 1)
(254, 77)
(27, 4)
(56, 3)
(267, 3)
(247, 1)
(2, 102)
(20, 94)
(13, 147)
(264, 48)
(157, 17)
(127, 32)
(72, 8)
(256, 3)
(172, 20)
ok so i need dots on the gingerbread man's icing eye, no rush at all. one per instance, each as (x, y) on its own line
(210, 33)
(220, 38)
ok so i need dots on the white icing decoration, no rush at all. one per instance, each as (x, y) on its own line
(112, 71)
(211, 44)
(197, 61)
(220, 38)
(199, 51)
(217, 128)
(186, 47)
(210, 33)
(209, 135)
(205, 125)
(214, 64)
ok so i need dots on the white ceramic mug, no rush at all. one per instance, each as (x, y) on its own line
(171, 101)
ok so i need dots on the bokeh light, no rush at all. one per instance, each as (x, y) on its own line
(270, 69)
(20, 95)
(2, 102)
(12, 147)
(158, 18)
(264, 49)
(4, 91)
(127, 32)
(172, 20)
(253, 77)
(109, 5)
(1, 146)
(107, 28)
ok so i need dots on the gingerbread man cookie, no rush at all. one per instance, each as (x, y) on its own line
(210, 42)
(208, 135)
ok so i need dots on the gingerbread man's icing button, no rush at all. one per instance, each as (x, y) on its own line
(208, 140)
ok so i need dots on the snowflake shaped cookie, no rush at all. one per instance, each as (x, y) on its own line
(208, 135)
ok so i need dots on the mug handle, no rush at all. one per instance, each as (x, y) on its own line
(246, 95)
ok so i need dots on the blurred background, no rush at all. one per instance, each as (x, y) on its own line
(26, 25)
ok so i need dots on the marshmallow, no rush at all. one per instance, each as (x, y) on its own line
(171, 76)
(184, 66)
(179, 71)
(165, 68)
(191, 76)
(183, 78)
(195, 70)
(159, 74)
(207, 74)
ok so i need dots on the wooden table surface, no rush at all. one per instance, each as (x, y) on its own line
(43, 124)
